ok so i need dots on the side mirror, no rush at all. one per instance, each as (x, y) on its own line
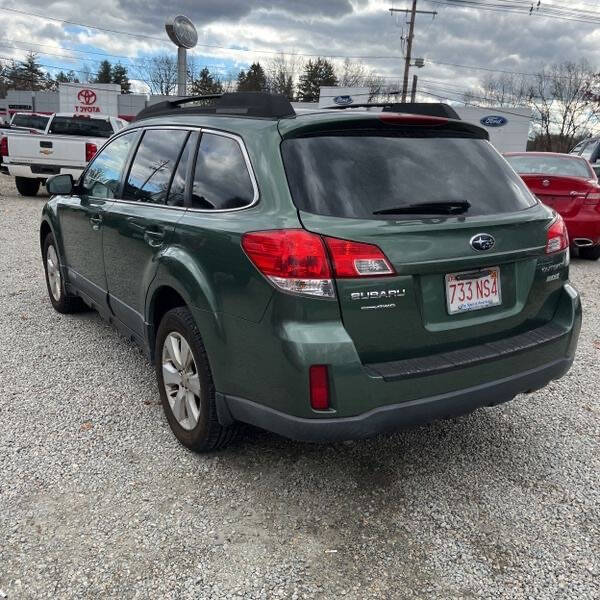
(61, 185)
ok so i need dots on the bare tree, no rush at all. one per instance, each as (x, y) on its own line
(356, 74)
(159, 73)
(282, 75)
(562, 98)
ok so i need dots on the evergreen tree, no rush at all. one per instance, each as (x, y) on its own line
(206, 84)
(105, 73)
(254, 80)
(119, 76)
(27, 75)
(316, 74)
(69, 77)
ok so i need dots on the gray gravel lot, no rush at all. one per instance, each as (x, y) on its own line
(98, 500)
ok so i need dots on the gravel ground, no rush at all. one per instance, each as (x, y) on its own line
(98, 500)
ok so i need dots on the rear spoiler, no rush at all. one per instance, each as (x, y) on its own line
(370, 123)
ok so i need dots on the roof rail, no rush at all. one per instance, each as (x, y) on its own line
(430, 109)
(249, 104)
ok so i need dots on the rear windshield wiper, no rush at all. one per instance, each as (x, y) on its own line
(428, 208)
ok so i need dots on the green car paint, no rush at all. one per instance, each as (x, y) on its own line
(262, 341)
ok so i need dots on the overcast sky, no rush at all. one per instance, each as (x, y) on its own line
(327, 27)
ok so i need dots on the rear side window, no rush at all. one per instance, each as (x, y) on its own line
(153, 165)
(103, 177)
(221, 177)
(83, 126)
(357, 175)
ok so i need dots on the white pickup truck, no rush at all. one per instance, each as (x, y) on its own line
(69, 142)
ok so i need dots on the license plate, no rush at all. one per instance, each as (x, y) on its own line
(473, 290)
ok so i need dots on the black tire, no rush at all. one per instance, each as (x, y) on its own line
(590, 253)
(65, 303)
(26, 186)
(208, 434)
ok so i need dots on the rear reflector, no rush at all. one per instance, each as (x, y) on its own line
(294, 260)
(319, 387)
(356, 259)
(557, 238)
(592, 199)
(90, 151)
(4, 147)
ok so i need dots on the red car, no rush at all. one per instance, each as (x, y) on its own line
(569, 185)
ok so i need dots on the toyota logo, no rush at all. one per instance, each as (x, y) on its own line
(482, 242)
(86, 97)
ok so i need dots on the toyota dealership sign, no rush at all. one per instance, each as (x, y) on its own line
(89, 98)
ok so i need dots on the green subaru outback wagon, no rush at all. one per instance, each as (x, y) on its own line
(326, 276)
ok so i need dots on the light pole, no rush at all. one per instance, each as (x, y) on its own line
(183, 34)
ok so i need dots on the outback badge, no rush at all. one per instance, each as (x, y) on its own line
(482, 242)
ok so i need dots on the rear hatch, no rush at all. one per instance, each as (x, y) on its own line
(454, 213)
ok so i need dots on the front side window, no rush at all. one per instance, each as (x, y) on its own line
(153, 165)
(103, 177)
(221, 178)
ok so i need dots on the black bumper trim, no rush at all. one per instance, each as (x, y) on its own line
(395, 416)
(467, 357)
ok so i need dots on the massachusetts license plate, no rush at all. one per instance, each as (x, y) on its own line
(473, 290)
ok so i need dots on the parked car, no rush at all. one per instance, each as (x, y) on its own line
(312, 275)
(69, 142)
(590, 150)
(567, 184)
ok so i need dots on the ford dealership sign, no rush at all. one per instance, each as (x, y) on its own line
(343, 100)
(493, 121)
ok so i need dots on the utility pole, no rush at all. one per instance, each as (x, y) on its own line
(413, 91)
(411, 32)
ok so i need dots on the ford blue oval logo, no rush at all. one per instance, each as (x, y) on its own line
(493, 121)
(343, 100)
(482, 242)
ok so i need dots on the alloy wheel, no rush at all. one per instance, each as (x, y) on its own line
(181, 381)
(54, 276)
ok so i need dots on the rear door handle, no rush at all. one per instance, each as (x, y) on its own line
(154, 237)
(96, 221)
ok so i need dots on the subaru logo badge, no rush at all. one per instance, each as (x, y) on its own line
(343, 100)
(493, 121)
(482, 242)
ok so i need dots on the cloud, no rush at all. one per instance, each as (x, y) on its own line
(493, 40)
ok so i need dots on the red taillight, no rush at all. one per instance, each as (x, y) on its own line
(557, 238)
(90, 151)
(592, 199)
(356, 259)
(4, 147)
(292, 259)
(319, 387)
(296, 260)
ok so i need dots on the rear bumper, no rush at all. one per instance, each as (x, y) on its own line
(389, 418)
(41, 171)
(269, 386)
(586, 225)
